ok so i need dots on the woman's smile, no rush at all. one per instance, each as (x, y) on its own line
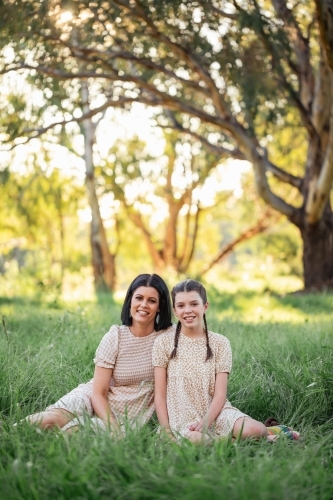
(144, 304)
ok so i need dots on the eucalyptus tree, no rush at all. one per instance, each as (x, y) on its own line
(168, 187)
(103, 260)
(234, 67)
(36, 99)
(163, 197)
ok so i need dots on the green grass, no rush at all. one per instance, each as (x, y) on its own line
(283, 359)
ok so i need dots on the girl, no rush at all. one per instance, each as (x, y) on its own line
(123, 378)
(191, 375)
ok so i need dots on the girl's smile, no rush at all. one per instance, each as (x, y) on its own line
(189, 309)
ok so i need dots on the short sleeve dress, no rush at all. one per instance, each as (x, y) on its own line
(131, 391)
(191, 381)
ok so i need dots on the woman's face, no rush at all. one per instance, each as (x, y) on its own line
(144, 305)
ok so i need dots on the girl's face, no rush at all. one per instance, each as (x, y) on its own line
(144, 305)
(189, 309)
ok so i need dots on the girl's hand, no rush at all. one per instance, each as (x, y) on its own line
(168, 434)
(196, 426)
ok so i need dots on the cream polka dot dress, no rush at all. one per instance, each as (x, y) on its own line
(131, 391)
(191, 381)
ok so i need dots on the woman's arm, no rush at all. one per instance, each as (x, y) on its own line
(99, 397)
(218, 401)
(160, 375)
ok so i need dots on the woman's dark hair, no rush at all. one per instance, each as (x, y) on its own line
(155, 281)
(190, 286)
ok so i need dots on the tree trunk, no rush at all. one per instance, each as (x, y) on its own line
(102, 260)
(318, 254)
(170, 237)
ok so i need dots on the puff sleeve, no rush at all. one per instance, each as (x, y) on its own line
(223, 359)
(107, 351)
(161, 352)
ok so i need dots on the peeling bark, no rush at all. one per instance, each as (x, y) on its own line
(102, 260)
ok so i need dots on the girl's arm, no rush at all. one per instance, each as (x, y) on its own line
(218, 401)
(160, 375)
(99, 397)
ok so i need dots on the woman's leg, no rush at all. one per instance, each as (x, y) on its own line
(75, 403)
(78, 422)
(247, 427)
(56, 417)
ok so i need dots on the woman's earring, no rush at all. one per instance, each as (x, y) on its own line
(157, 318)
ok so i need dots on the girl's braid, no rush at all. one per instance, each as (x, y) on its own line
(209, 351)
(177, 334)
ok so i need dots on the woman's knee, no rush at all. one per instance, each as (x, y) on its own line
(51, 418)
(72, 430)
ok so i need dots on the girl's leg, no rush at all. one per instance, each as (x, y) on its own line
(246, 427)
(56, 417)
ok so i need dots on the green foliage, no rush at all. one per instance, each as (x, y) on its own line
(185, 57)
(39, 221)
(282, 368)
(236, 53)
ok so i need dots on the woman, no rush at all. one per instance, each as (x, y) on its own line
(123, 379)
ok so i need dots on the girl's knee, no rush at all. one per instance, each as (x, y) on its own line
(257, 429)
(248, 428)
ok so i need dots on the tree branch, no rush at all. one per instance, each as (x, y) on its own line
(296, 98)
(191, 60)
(284, 176)
(262, 225)
(137, 220)
(214, 148)
(261, 164)
(301, 50)
(278, 172)
(145, 63)
(40, 131)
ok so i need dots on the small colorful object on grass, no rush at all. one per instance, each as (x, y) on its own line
(274, 432)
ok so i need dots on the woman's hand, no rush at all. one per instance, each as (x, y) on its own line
(160, 376)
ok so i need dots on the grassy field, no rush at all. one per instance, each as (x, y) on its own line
(283, 359)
